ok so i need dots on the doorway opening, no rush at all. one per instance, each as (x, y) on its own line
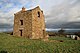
(20, 32)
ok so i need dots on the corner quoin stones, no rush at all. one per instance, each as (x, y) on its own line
(29, 23)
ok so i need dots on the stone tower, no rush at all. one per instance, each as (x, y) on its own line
(29, 23)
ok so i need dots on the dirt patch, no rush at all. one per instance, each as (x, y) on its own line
(47, 40)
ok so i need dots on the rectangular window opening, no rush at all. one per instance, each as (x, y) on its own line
(21, 21)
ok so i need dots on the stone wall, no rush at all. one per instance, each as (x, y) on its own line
(26, 27)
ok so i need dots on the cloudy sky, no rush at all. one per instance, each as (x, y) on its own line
(55, 11)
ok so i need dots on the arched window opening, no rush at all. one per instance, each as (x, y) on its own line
(38, 14)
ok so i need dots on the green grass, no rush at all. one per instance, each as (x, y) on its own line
(13, 44)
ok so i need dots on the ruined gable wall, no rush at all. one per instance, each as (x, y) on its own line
(37, 24)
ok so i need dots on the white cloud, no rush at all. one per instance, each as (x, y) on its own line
(67, 11)
(6, 17)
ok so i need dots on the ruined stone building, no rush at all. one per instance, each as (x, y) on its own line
(29, 23)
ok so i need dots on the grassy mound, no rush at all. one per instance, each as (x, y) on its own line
(13, 44)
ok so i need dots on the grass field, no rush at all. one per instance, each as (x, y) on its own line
(13, 44)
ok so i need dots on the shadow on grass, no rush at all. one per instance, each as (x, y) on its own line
(3, 51)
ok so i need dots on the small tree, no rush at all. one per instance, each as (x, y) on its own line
(61, 32)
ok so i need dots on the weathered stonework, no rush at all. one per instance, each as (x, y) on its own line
(29, 23)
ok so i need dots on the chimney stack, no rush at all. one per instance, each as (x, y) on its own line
(23, 9)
